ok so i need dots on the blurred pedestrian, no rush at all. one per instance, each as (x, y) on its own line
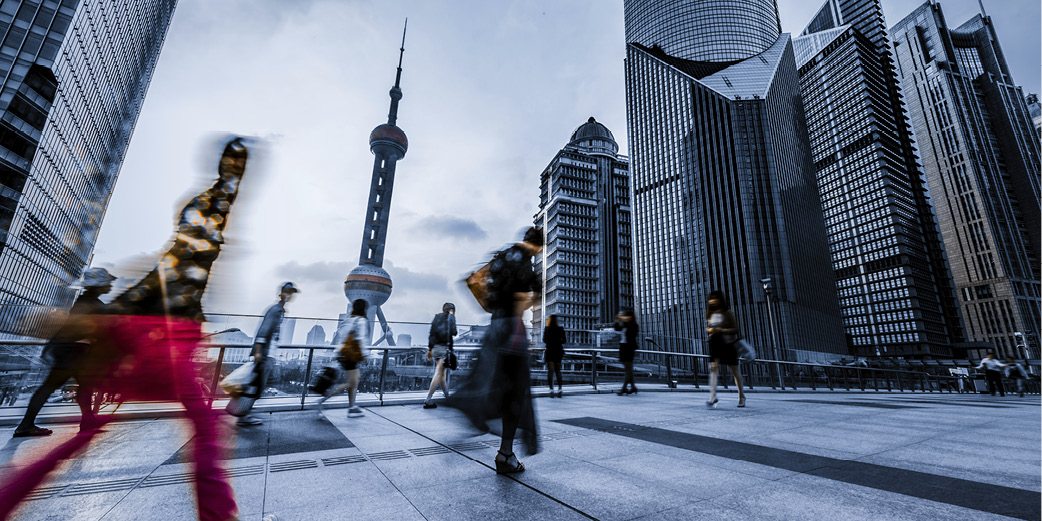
(439, 345)
(498, 387)
(554, 340)
(355, 327)
(993, 373)
(67, 352)
(626, 322)
(263, 357)
(1016, 372)
(723, 333)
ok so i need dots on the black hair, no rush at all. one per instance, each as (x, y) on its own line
(553, 321)
(718, 295)
(448, 306)
(358, 307)
(534, 235)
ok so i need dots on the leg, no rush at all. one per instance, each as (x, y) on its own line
(629, 376)
(54, 380)
(352, 386)
(436, 381)
(560, 379)
(214, 495)
(445, 381)
(84, 396)
(714, 367)
(738, 382)
(550, 376)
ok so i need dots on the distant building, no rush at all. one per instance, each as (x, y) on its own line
(405, 340)
(317, 335)
(1035, 111)
(73, 78)
(724, 193)
(981, 157)
(892, 278)
(584, 209)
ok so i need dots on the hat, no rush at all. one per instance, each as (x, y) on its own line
(289, 288)
(97, 277)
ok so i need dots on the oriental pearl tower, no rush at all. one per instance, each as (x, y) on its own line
(370, 281)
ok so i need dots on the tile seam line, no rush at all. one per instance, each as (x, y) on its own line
(511, 477)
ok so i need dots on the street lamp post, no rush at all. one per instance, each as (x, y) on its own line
(768, 289)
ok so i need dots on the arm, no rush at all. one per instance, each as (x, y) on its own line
(262, 340)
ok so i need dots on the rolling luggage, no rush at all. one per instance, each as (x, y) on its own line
(323, 380)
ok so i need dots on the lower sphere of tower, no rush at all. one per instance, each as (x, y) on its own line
(371, 283)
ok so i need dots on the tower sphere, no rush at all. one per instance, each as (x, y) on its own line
(368, 282)
(388, 139)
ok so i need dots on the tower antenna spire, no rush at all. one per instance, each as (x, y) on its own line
(401, 53)
(396, 91)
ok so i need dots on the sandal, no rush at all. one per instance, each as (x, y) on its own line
(34, 431)
(504, 466)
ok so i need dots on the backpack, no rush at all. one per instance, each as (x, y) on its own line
(439, 334)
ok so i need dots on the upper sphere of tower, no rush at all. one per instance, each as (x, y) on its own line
(391, 135)
(595, 136)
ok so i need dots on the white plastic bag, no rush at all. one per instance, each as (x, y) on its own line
(745, 350)
(237, 380)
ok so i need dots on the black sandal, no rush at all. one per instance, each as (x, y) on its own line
(35, 431)
(504, 467)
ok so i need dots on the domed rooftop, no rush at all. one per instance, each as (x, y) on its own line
(390, 135)
(595, 137)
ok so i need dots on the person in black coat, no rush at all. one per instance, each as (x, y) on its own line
(554, 339)
(627, 323)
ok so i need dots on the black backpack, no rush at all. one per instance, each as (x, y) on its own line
(439, 334)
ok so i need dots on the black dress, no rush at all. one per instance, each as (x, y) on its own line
(721, 345)
(554, 339)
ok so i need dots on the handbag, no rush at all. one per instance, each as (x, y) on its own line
(237, 380)
(477, 283)
(351, 350)
(745, 350)
(450, 360)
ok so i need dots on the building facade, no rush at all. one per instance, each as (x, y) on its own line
(74, 75)
(724, 195)
(892, 278)
(316, 335)
(981, 158)
(584, 209)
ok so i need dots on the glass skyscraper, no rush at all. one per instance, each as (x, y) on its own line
(892, 278)
(981, 157)
(584, 209)
(74, 75)
(724, 194)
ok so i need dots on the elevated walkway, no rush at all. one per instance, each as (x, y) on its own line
(650, 456)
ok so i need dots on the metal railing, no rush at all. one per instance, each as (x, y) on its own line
(393, 371)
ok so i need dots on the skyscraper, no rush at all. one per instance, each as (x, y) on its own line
(892, 278)
(74, 77)
(584, 209)
(388, 143)
(981, 158)
(316, 335)
(724, 195)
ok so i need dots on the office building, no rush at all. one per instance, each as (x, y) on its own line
(74, 77)
(980, 153)
(724, 194)
(584, 210)
(316, 336)
(892, 279)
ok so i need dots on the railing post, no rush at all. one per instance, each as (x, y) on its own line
(828, 377)
(813, 378)
(216, 377)
(669, 374)
(846, 377)
(875, 379)
(900, 384)
(860, 380)
(383, 371)
(781, 379)
(307, 378)
(593, 369)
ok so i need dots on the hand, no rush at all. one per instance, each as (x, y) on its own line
(429, 355)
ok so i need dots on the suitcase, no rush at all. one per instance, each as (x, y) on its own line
(323, 381)
(240, 406)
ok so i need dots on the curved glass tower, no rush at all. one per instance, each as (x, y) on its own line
(704, 30)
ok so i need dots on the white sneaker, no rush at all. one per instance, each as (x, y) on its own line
(354, 411)
(249, 420)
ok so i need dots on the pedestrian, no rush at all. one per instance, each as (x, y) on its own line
(1016, 372)
(263, 356)
(439, 345)
(626, 322)
(498, 387)
(723, 333)
(993, 373)
(356, 326)
(67, 351)
(553, 340)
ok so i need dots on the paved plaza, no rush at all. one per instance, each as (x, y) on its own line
(649, 456)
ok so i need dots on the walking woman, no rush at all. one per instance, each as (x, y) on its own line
(723, 333)
(627, 323)
(358, 326)
(439, 345)
(553, 337)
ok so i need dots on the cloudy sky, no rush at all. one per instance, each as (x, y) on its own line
(492, 90)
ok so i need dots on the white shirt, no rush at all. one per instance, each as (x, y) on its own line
(357, 325)
(990, 364)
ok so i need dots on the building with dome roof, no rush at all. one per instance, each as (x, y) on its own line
(584, 208)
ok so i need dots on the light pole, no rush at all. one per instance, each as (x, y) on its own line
(768, 289)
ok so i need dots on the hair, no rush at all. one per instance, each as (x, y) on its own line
(718, 295)
(628, 313)
(534, 235)
(552, 321)
(359, 307)
(448, 306)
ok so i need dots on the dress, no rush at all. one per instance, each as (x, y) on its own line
(553, 337)
(721, 345)
(628, 345)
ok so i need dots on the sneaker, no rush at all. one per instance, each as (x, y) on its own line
(560, 393)
(30, 432)
(354, 411)
(249, 420)
(426, 405)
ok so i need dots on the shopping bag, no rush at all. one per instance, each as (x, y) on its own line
(237, 380)
(323, 380)
(745, 350)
